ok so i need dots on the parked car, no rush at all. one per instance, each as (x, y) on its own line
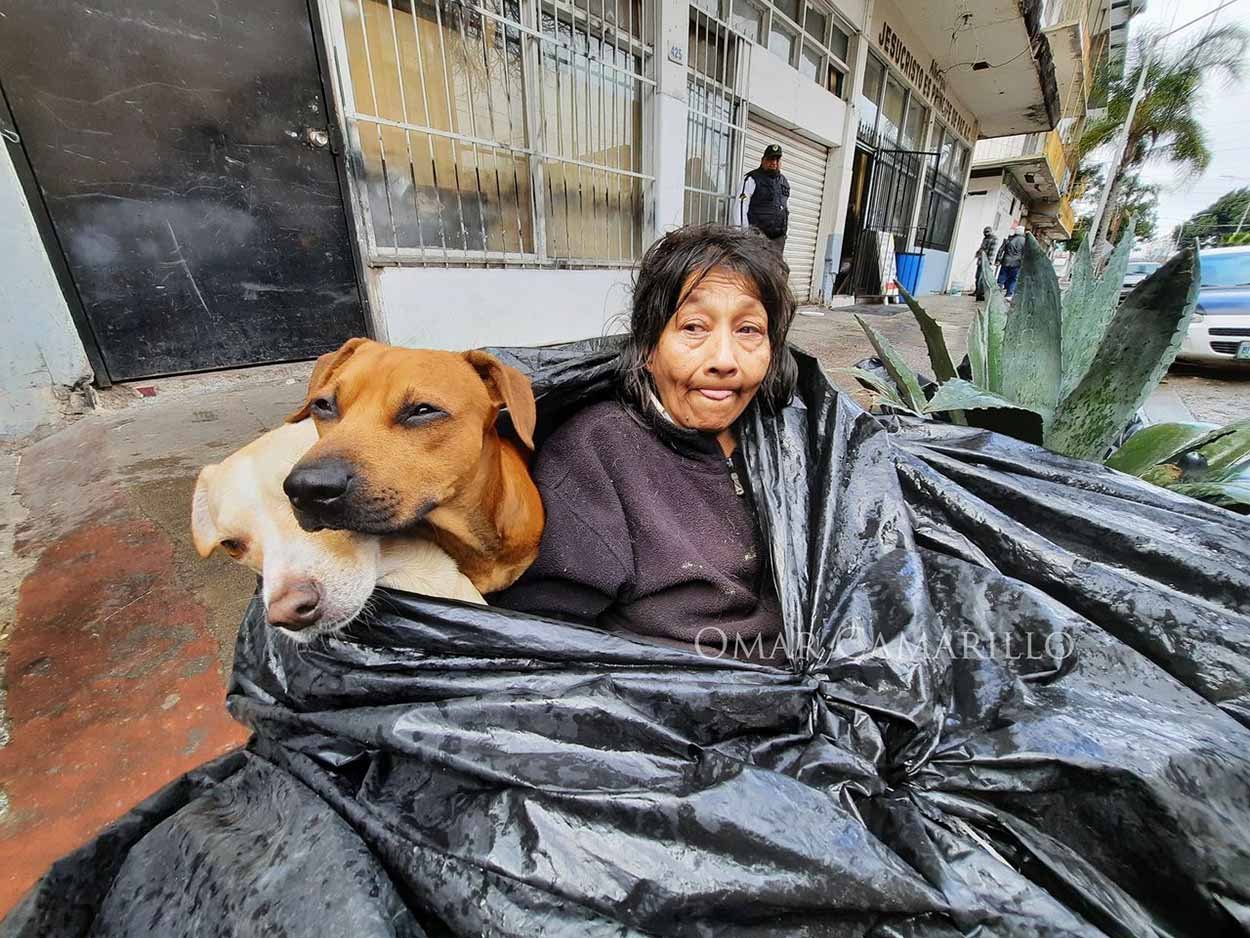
(1136, 273)
(1220, 329)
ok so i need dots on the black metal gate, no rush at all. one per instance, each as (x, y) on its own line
(886, 233)
(181, 150)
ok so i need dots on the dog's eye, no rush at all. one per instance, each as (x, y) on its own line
(233, 547)
(323, 407)
(418, 414)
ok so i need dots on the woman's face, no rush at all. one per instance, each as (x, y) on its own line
(713, 353)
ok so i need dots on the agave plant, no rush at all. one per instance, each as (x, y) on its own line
(1196, 459)
(1066, 370)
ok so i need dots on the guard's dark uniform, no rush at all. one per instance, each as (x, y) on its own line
(764, 203)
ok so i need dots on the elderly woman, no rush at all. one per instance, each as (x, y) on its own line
(651, 526)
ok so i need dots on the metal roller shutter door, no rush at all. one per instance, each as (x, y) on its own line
(803, 164)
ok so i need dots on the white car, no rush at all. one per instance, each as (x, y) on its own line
(1220, 329)
(1136, 273)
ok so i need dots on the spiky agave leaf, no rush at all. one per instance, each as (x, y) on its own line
(1082, 271)
(978, 340)
(1032, 340)
(1088, 307)
(934, 340)
(883, 390)
(987, 410)
(900, 372)
(1138, 347)
(1156, 444)
(995, 329)
(958, 394)
(1231, 492)
(1225, 450)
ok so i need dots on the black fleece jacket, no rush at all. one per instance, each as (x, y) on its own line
(650, 530)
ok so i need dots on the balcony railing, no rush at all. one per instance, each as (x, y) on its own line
(1037, 161)
(1007, 148)
(1066, 11)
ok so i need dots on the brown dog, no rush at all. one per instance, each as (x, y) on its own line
(310, 582)
(408, 441)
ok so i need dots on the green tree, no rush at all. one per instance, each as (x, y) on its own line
(1166, 126)
(1137, 200)
(1217, 223)
(1080, 231)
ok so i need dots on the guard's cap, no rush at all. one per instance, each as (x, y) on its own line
(772, 152)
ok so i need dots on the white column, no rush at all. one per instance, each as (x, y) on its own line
(842, 162)
(668, 156)
(40, 352)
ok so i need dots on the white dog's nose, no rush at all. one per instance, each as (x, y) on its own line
(296, 605)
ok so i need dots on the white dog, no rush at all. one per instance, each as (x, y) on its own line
(311, 582)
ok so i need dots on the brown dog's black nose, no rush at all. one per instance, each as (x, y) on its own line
(295, 605)
(318, 485)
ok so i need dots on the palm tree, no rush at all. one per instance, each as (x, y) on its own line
(1166, 125)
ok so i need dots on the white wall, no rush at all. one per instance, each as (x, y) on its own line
(993, 210)
(855, 11)
(39, 350)
(794, 100)
(430, 307)
(978, 212)
(933, 277)
(667, 157)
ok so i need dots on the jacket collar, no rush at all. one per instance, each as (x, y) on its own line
(692, 444)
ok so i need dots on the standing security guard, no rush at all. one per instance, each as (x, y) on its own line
(764, 202)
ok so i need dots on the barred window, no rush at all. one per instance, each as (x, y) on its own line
(805, 33)
(716, 118)
(944, 184)
(897, 127)
(498, 132)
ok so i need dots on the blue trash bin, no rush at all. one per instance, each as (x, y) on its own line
(910, 265)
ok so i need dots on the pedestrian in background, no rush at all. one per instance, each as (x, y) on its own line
(1010, 257)
(989, 244)
(764, 201)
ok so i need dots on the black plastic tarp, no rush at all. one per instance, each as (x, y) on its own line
(1018, 705)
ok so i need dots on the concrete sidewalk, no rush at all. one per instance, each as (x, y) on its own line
(119, 637)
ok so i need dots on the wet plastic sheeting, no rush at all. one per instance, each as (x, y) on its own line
(1018, 706)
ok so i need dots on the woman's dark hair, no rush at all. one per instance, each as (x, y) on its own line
(661, 287)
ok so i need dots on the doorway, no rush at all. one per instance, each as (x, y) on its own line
(182, 151)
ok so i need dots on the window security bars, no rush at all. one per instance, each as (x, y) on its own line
(716, 118)
(887, 229)
(497, 132)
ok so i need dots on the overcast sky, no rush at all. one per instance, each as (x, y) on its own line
(1225, 115)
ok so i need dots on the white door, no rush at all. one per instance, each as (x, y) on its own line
(803, 164)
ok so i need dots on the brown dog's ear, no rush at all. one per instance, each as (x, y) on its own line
(322, 372)
(204, 533)
(509, 388)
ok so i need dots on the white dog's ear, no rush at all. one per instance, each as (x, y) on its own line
(204, 533)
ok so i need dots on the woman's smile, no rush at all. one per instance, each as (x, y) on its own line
(713, 353)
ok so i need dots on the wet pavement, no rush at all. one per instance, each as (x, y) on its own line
(119, 636)
(116, 638)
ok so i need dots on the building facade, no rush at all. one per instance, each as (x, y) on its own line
(1029, 179)
(452, 174)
